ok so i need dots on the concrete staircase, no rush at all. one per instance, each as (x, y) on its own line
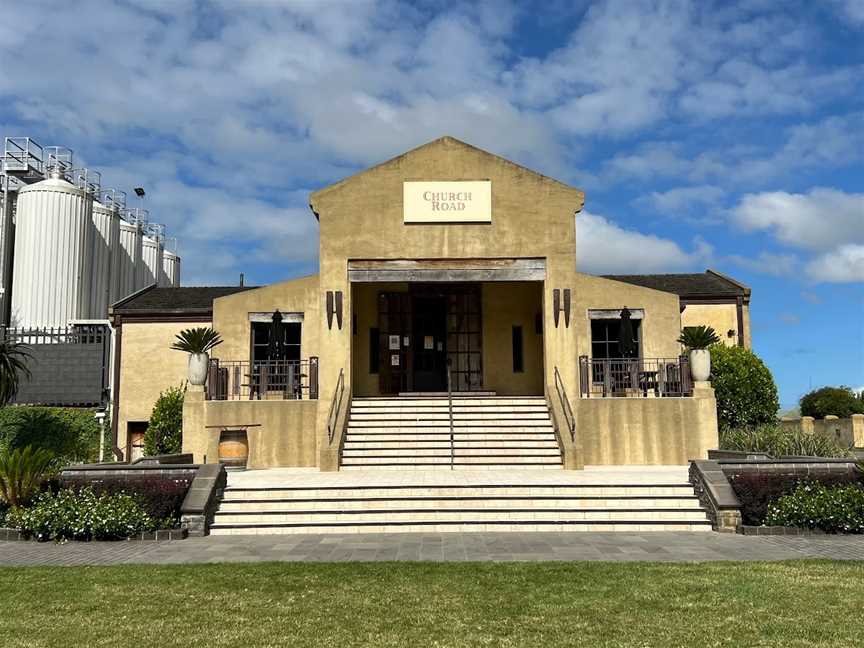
(476, 504)
(489, 432)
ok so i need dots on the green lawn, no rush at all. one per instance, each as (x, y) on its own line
(423, 604)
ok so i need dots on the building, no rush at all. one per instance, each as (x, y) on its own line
(447, 284)
(145, 325)
(710, 299)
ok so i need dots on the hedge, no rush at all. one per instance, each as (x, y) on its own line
(71, 434)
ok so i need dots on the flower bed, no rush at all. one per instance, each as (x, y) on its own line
(832, 509)
(758, 483)
(82, 515)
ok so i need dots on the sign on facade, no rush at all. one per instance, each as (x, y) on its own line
(468, 201)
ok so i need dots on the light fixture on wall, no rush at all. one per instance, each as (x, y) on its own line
(333, 301)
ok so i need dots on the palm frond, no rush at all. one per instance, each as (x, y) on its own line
(197, 340)
(698, 337)
(14, 360)
(22, 472)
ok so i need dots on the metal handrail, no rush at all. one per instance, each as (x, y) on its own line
(450, 410)
(565, 404)
(335, 407)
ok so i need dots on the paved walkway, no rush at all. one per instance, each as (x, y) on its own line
(657, 546)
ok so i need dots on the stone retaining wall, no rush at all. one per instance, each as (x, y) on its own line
(846, 432)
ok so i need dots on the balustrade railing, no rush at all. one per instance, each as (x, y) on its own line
(263, 380)
(634, 377)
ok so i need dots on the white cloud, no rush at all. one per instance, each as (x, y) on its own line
(830, 142)
(681, 200)
(818, 220)
(741, 87)
(223, 109)
(826, 221)
(602, 247)
(842, 265)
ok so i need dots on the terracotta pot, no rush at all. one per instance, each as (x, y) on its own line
(198, 364)
(700, 364)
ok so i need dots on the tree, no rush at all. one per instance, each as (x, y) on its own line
(13, 366)
(744, 387)
(840, 401)
(165, 430)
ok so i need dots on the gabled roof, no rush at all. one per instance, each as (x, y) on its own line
(186, 300)
(426, 148)
(706, 285)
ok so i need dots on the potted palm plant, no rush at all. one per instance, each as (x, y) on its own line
(697, 339)
(197, 342)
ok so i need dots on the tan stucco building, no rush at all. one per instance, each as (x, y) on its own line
(447, 272)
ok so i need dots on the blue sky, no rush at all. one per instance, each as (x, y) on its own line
(727, 135)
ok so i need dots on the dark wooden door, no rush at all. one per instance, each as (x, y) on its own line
(465, 338)
(394, 326)
(429, 353)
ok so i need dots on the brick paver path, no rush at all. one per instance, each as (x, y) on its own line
(658, 546)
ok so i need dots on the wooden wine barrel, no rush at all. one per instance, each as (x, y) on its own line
(233, 449)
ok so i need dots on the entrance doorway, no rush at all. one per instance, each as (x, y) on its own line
(429, 325)
(425, 329)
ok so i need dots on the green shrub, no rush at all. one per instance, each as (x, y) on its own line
(839, 401)
(744, 388)
(72, 435)
(81, 515)
(165, 430)
(22, 472)
(778, 441)
(833, 509)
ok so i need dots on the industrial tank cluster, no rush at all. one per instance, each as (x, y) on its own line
(69, 248)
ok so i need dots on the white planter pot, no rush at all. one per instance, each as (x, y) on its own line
(700, 364)
(198, 363)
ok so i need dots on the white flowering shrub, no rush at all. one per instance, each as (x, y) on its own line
(81, 515)
(833, 509)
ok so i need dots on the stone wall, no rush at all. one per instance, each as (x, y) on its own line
(647, 431)
(846, 432)
(280, 433)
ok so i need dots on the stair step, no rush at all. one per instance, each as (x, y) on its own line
(438, 401)
(444, 444)
(490, 489)
(387, 436)
(458, 526)
(458, 450)
(458, 503)
(473, 515)
(468, 425)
